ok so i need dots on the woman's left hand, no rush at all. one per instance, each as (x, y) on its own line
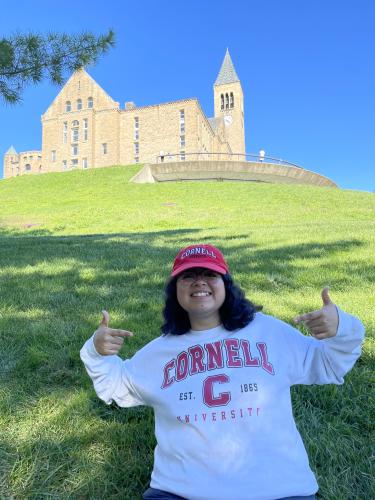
(323, 323)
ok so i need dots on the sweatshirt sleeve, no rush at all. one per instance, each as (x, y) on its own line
(111, 376)
(325, 361)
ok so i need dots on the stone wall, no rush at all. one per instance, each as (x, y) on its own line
(230, 170)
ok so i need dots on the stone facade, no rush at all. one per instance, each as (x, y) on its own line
(85, 128)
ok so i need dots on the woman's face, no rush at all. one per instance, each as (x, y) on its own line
(201, 293)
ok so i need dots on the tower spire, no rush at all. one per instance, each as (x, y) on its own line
(227, 73)
(11, 151)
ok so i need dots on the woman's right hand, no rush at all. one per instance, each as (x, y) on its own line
(108, 341)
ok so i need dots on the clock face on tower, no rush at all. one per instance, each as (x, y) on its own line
(227, 119)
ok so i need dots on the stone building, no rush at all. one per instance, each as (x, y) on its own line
(85, 128)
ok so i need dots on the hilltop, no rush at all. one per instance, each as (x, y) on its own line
(84, 201)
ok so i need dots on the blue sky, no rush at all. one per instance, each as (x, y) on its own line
(307, 70)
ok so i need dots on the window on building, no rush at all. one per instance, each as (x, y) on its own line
(182, 122)
(90, 102)
(104, 148)
(65, 132)
(40, 168)
(53, 155)
(68, 106)
(79, 104)
(222, 101)
(136, 159)
(231, 100)
(226, 101)
(182, 141)
(136, 148)
(74, 149)
(84, 163)
(75, 162)
(136, 128)
(27, 167)
(182, 155)
(64, 165)
(75, 131)
(85, 129)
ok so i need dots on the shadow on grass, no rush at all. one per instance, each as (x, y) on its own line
(53, 289)
(69, 453)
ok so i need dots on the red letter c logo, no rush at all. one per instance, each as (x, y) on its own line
(222, 398)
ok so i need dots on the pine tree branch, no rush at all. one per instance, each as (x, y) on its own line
(27, 58)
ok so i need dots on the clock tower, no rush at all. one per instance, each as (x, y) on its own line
(228, 103)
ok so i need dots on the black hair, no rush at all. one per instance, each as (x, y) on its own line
(236, 312)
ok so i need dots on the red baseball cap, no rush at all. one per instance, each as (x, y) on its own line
(206, 256)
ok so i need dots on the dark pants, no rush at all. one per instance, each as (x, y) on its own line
(153, 494)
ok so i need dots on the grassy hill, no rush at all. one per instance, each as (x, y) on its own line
(74, 243)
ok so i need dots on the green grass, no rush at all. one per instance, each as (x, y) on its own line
(74, 243)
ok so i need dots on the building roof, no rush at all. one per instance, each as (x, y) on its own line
(227, 73)
(188, 99)
(11, 151)
(214, 122)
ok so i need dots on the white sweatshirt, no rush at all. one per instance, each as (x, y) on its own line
(223, 416)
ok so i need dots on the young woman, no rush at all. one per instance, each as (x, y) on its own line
(219, 382)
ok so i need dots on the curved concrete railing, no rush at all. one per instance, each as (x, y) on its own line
(229, 171)
(248, 157)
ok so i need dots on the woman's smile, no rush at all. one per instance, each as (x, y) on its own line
(201, 294)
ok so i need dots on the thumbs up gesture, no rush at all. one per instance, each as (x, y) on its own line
(324, 322)
(107, 340)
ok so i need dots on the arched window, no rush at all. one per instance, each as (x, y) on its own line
(90, 102)
(226, 101)
(68, 106)
(75, 131)
(222, 101)
(231, 100)
(79, 104)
